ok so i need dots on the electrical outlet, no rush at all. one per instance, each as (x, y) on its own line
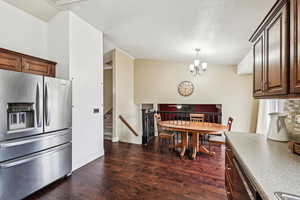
(96, 110)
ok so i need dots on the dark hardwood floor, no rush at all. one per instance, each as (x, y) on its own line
(129, 171)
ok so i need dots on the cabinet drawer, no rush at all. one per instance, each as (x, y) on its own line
(35, 66)
(10, 61)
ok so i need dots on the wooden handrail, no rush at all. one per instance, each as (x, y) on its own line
(128, 125)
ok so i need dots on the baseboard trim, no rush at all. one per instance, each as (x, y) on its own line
(115, 139)
(87, 161)
(107, 137)
(131, 141)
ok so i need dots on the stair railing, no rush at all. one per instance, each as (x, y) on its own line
(128, 125)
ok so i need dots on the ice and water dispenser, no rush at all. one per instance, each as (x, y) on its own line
(20, 116)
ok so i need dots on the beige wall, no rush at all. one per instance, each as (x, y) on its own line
(108, 90)
(157, 81)
(123, 98)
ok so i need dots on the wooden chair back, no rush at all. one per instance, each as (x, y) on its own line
(158, 119)
(197, 117)
(229, 123)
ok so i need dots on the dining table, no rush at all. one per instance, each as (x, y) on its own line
(195, 129)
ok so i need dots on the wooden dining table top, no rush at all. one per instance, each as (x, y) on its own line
(189, 126)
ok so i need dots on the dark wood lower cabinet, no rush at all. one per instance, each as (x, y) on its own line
(238, 185)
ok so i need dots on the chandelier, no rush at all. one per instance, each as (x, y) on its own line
(197, 68)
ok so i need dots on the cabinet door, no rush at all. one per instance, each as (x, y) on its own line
(35, 66)
(228, 187)
(240, 191)
(258, 65)
(277, 54)
(294, 47)
(10, 61)
(52, 70)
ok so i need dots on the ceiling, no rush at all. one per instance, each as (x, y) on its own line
(42, 9)
(169, 29)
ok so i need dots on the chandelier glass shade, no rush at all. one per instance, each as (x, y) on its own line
(198, 67)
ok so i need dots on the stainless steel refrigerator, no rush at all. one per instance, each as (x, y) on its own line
(35, 132)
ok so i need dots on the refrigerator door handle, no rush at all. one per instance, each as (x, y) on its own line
(47, 109)
(33, 157)
(38, 106)
(4, 145)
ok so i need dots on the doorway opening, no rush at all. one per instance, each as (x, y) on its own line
(108, 96)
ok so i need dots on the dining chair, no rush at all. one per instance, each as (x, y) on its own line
(197, 117)
(220, 139)
(164, 135)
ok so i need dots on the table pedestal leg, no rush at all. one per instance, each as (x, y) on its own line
(195, 144)
(202, 149)
(184, 143)
(198, 147)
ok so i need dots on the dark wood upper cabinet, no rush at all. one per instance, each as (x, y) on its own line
(10, 61)
(15, 61)
(258, 61)
(276, 54)
(36, 66)
(294, 47)
(271, 53)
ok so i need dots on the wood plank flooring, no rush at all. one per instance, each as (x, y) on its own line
(129, 171)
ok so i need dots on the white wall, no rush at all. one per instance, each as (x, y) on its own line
(108, 45)
(123, 98)
(59, 45)
(157, 81)
(246, 65)
(85, 66)
(22, 32)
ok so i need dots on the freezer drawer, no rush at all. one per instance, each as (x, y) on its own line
(17, 148)
(21, 177)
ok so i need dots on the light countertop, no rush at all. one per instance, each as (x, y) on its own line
(269, 164)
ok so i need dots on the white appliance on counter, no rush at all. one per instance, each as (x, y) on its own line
(277, 129)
